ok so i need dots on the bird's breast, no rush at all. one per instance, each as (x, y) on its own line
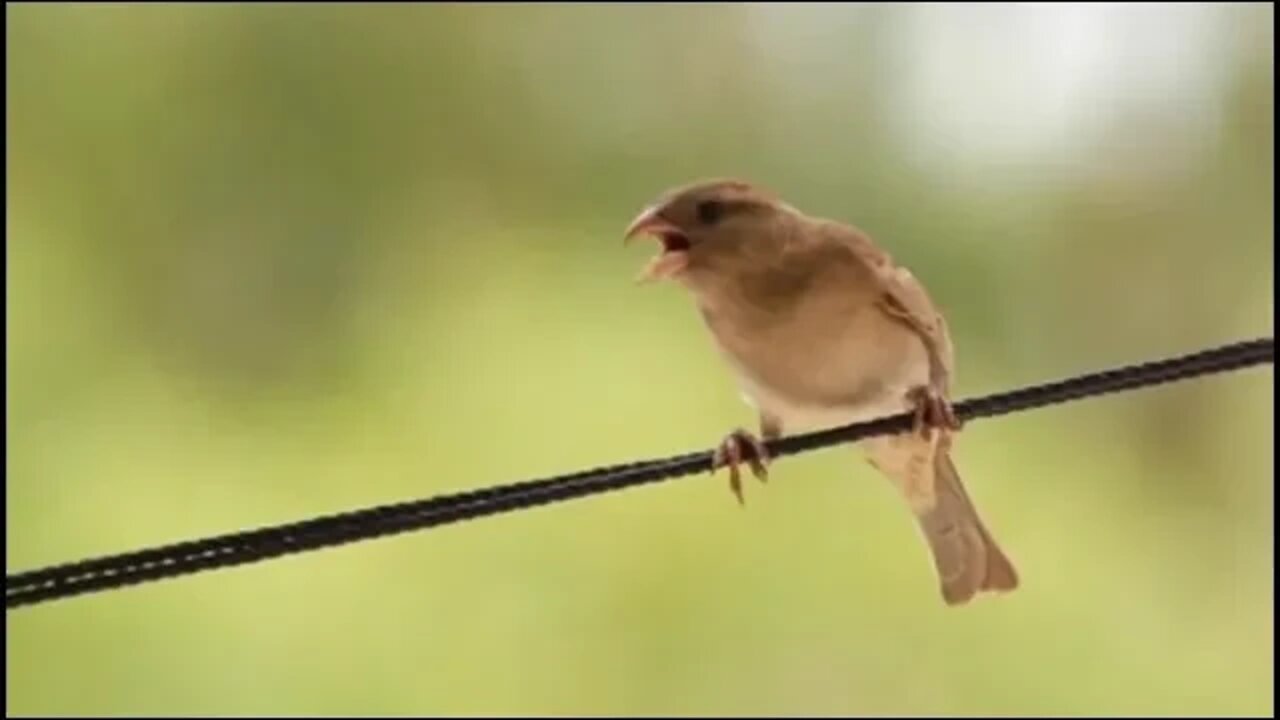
(822, 362)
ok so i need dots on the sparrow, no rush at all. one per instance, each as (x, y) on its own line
(822, 328)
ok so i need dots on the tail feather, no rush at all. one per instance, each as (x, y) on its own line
(967, 558)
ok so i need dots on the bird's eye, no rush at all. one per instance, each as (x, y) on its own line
(709, 211)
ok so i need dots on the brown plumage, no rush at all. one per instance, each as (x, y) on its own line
(823, 328)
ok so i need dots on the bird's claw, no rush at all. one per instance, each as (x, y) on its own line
(737, 446)
(931, 411)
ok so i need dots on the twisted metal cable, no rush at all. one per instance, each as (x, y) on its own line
(239, 548)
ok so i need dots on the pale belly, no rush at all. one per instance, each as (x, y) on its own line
(811, 374)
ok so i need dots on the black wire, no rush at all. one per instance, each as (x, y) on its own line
(115, 571)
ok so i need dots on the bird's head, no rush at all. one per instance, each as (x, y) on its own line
(705, 225)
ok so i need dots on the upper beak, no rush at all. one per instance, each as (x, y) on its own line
(648, 221)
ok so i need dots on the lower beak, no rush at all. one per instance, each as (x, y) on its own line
(663, 266)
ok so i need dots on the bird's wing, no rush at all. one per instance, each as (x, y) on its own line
(904, 298)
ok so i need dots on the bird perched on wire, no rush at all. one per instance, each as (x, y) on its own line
(822, 328)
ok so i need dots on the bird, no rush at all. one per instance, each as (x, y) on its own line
(821, 327)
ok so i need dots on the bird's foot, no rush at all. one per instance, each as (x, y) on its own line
(932, 411)
(737, 446)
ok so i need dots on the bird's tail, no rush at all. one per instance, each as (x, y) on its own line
(968, 560)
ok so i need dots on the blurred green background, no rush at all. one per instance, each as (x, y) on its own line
(271, 262)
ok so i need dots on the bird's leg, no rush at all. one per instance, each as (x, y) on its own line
(932, 411)
(932, 408)
(741, 445)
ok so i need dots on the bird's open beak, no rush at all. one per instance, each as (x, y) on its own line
(674, 256)
(649, 221)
